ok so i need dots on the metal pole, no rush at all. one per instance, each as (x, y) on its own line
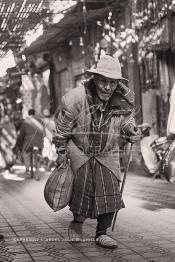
(123, 183)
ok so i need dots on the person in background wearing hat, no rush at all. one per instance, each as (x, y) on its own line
(89, 126)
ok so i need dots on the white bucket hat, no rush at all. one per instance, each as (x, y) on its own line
(108, 66)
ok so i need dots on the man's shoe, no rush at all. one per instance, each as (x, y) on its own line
(1, 237)
(75, 232)
(106, 242)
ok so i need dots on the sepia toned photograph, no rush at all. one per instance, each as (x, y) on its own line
(87, 130)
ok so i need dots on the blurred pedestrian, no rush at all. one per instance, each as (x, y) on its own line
(92, 119)
(31, 135)
(17, 119)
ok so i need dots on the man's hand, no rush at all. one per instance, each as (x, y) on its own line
(134, 135)
(62, 159)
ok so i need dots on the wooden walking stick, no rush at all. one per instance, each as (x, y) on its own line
(123, 183)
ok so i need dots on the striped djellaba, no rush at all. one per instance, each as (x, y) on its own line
(95, 191)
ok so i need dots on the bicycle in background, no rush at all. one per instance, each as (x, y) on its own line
(36, 161)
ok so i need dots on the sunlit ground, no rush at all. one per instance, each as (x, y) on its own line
(11, 176)
(16, 173)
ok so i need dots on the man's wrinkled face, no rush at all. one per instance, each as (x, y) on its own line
(105, 86)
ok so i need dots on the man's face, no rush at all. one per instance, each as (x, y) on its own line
(105, 86)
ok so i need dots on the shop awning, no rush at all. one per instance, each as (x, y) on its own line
(70, 23)
(63, 29)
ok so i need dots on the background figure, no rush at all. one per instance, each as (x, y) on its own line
(31, 135)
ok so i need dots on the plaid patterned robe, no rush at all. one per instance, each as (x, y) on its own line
(92, 135)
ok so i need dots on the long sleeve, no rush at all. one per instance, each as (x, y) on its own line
(127, 93)
(64, 124)
(128, 125)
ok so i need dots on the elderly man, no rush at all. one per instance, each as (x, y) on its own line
(89, 126)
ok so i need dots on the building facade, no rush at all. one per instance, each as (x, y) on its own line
(155, 25)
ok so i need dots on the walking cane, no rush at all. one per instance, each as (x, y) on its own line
(123, 183)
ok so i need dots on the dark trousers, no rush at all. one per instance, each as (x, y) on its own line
(104, 221)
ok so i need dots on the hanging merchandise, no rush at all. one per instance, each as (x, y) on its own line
(81, 41)
(84, 17)
(164, 36)
(155, 69)
(113, 43)
(151, 76)
(172, 32)
(34, 93)
(171, 116)
(164, 79)
(70, 43)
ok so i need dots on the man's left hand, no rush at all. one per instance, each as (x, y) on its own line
(135, 135)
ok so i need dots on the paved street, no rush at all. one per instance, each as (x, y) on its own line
(145, 229)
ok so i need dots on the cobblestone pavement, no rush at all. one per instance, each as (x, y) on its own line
(145, 229)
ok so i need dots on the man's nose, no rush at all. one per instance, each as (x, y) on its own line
(108, 86)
